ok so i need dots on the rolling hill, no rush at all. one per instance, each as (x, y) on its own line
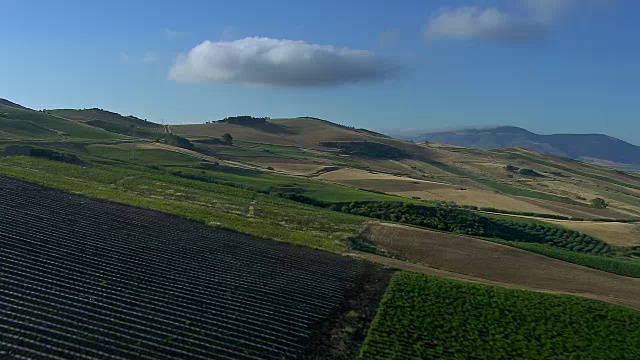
(589, 147)
(17, 122)
(509, 217)
(8, 104)
(304, 132)
(110, 121)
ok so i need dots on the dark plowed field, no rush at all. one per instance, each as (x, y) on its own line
(86, 279)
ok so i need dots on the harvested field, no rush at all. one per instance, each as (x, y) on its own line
(294, 169)
(576, 211)
(613, 233)
(87, 279)
(480, 198)
(392, 186)
(356, 174)
(500, 264)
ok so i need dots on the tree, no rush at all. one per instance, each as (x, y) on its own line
(227, 138)
(599, 203)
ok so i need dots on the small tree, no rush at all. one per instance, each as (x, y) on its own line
(227, 138)
(599, 203)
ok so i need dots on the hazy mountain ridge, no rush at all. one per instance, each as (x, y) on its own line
(578, 146)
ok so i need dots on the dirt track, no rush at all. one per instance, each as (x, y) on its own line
(482, 261)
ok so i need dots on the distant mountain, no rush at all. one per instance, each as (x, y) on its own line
(588, 147)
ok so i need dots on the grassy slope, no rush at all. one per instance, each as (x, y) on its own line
(423, 317)
(143, 156)
(319, 190)
(112, 122)
(28, 124)
(237, 209)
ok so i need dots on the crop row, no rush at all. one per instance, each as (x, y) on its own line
(90, 279)
(424, 317)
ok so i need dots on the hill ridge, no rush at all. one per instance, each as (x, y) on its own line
(10, 104)
(588, 146)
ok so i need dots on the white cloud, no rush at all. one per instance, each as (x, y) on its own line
(472, 23)
(266, 61)
(150, 57)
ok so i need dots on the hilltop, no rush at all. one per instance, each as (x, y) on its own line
(589, 147)
(110, 121)
(8, 104)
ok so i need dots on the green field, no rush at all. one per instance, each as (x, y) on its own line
(29, 124)
(143, 156)
(267, 182)
(424, 317)
(237, 209)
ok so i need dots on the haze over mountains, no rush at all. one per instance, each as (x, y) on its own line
(588, 147)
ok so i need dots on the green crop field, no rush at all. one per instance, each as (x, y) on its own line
(424, 317)
(143, 156)
(237, 209)
(316, 189)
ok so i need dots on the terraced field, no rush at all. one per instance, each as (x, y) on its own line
(88, 279)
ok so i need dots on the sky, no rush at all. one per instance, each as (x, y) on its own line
(551, 66)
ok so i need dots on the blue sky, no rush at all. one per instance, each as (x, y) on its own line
(549, 66)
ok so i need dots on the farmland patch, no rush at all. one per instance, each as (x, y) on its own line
(83, 278)
(503, 264)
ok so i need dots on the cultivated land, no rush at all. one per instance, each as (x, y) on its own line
(312, 183)
(424, 317)
(88, 279)
(614, 233)
(501, 264)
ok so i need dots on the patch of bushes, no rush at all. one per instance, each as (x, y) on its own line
(462, 221)
(245, 120)
(27, 150)
(367, 149)
(175, 140)
(529, 172)
(526, 213)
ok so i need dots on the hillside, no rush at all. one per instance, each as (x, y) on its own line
(4, 103)
(300, 132)
(110, 121)
(592, 147)
(17, 122)
(542, 184)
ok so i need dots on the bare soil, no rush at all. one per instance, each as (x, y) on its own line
(478, 260)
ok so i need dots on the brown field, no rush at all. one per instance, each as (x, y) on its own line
(480, 198)
(613, 233)
(576, 211)
(302, 132)
(392, 186)
(479, 260)
(238, 132)
(300, 168)
(357, 174)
